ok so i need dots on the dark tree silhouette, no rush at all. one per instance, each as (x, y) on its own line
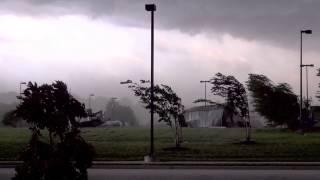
(10, 119)
(67, 156)
(167, 105)
(275, 102)
(235, 96)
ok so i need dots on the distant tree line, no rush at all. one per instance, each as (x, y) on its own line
(276, 102)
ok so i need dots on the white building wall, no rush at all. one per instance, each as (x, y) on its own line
(205, 118)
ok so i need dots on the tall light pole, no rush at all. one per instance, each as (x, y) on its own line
(307, 31)
(307, 81)
(113, 100)
(205, 91)
(91, 95)
(151, 8)
(20, 87)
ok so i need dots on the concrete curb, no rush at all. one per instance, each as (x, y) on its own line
(206, 165)
(189, 165)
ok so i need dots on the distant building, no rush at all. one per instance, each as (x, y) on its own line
(216, 116)
(210, 116)
(93, 119)
(112, 123)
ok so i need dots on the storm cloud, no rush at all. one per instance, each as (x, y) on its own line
(275, 21)
(93, 45)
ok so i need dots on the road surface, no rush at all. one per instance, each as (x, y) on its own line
(191, 174)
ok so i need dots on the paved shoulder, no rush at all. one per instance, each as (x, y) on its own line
(191, 174)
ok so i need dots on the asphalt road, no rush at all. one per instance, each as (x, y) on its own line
(191, 174)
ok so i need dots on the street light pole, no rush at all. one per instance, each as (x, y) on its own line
(308, 31)
(205, 92)
(91, 95)
(20, 88)
(113, 100)
(152, 8)
(307, 89)
(307, 81)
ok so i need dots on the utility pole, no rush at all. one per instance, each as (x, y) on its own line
(205, 91)
(20, 88)
(307, 88)
(308, 31)
(152, 8)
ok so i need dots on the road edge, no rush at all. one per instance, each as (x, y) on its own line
(190, 165)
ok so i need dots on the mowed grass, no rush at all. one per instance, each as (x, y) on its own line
(201, 143)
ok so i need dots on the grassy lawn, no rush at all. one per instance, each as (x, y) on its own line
(202, 144)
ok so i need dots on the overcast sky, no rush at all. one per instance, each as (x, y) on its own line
(92, 45)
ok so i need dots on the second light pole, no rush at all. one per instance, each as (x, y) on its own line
(91, 95)
(308, 31)
(205, 92)
(307, 85)
(20, 87)
(151, 8)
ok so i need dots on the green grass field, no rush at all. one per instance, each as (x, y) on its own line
(202, 144)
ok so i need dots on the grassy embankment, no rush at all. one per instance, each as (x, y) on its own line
(202, 144)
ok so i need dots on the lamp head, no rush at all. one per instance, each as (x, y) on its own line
(151, 7)
(307, 65)
(204, 81)
(307, 31)
(126, 82)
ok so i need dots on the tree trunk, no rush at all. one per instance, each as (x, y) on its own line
(248, 130)
(51, 138)
(231, 119)
(180, 134)
(177, 138)
(61, 137)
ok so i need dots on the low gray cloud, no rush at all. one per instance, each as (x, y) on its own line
(278, 21)
(256, 27)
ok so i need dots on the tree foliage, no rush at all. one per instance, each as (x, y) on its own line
(235, 96)
(234, 93)
(10, 119)
(67, 156)
(275, 102)
(5, 109)
(167, 105)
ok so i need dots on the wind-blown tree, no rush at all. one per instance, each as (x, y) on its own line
(167, 105)
(10, 119)
(5, 110)
(52, 108)
(275, 102)
(235, 95)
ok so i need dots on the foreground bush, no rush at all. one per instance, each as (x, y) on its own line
(66, 156)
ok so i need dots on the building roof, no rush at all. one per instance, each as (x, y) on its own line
(204, 108)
